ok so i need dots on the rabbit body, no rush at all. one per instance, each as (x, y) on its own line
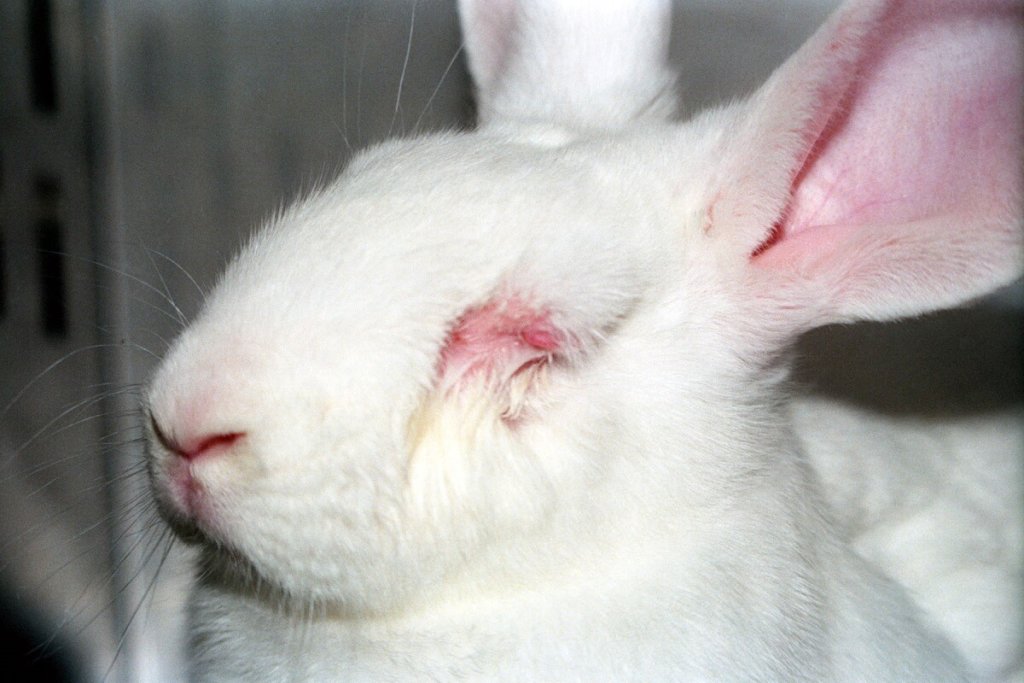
(512, 404)
(935, 504)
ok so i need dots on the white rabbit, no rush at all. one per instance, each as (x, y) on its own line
(512, 404)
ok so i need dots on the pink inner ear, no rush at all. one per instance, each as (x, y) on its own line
(496, 341)
(935, 128)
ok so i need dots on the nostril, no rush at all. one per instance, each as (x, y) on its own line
(208, 445)
(190, 449)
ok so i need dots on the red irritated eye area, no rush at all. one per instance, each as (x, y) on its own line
(497, 339)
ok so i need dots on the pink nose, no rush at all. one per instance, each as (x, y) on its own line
(206, 446)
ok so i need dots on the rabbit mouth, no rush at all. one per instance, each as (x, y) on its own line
(194, 527)
(182, 499)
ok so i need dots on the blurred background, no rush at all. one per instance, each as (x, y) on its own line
(141, 142)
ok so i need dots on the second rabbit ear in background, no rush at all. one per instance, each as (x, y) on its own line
(583, 65)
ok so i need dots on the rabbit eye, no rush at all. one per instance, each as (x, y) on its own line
(494, 360)
(498, 341)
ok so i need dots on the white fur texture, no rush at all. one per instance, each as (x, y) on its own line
(648, 514)
(936, 503)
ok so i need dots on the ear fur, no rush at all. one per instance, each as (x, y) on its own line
(575, 63)
(877, 174)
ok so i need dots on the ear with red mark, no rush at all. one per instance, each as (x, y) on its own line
(877, 174)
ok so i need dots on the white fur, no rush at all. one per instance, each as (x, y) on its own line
(936, 503)
(649, 515)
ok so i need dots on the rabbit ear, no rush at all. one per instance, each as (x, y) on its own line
(877, 174)
(576, 63)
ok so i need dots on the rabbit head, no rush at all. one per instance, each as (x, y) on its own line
(558, 337)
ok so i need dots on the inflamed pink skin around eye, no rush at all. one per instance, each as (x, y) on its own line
(497, 340)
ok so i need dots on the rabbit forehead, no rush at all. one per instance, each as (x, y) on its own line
(426, 228)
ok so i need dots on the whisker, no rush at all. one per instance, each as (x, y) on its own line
(166, 291)
(405, 67)
(74, 407)
(49, 368)
(359, 89)
(343, 129)
(127, 507)
(135, 298)
(49, 464)
(74, 610)
(146, 594)
(177, 317)
(138, 507)
(109, 391)
(180, 268)
(135, 346)
(437, 88)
